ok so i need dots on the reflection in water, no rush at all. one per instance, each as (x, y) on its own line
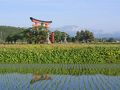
(16, 81)
(38, 77)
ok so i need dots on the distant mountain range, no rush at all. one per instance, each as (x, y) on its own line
(72, 29)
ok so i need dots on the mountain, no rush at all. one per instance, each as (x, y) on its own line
(72, 29)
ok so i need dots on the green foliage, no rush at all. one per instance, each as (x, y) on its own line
(12, 34)
(9, 31)
(68, 54)
(111, 40)
(38, 36)
(59, 36)
(86, 36)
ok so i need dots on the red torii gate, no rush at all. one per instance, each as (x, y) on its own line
(38, 23)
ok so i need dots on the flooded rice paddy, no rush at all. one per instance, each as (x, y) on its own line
(63, 77)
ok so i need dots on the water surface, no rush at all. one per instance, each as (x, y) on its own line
(16, 81)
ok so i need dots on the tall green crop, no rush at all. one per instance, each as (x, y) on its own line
(65, 54)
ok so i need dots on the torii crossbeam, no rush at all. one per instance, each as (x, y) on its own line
(38, 23)
(37, 20)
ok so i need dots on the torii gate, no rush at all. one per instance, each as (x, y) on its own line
(38, 23)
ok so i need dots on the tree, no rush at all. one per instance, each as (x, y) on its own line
(77, 37)
(60, 36)
(8, 39)
(36, 36)
(81, 35)
(40, 37)
(70, 39)
(111, 40)
(57, 36)
(6, 31)
(86, 36)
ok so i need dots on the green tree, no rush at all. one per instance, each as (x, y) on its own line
(86, 36)
(60, 36)
(9, 31)
(36, 36)
(77, 37)
(40, 36)
(111, 40)
(57, 36)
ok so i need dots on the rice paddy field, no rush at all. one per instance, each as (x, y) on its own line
(64, 77)
(60, 82)
(70, 66)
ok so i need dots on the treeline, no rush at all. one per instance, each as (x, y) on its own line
(11, 34)
(6, 31)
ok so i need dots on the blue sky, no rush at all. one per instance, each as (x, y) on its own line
(95, 14)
